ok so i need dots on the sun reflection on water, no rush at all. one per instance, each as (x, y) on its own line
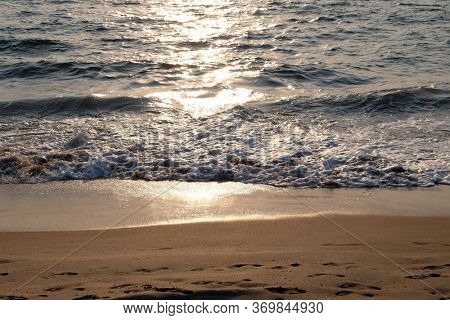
(209, 86)
(209, 193)
(200, 104)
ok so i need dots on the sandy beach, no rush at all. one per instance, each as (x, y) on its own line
(315, 255)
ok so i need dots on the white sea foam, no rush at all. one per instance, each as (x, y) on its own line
(305, 149)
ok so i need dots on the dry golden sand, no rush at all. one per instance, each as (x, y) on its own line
(332, 256)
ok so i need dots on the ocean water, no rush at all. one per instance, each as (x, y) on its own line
(286, 93)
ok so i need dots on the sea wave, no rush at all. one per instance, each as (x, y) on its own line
(26, 46)
(321, 76)
(74, 69)
(74, 106)
(395, 101)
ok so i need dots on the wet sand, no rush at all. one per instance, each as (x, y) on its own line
(104, 204)
(321, 255)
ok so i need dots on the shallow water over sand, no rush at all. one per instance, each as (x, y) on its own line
(112, 204)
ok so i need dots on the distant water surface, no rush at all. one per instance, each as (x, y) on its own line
(287, 93)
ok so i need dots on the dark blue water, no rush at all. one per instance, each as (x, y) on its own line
(288, 93)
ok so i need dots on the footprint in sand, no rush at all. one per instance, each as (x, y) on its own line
(12, 298)
(423, 276)
(419, 243)
(87, 297)
(437, 267)
(227, 283)
(197, 269)
(326, 274)
(370, 295)
(54, 289)
(343, 293)
(332, 264)
(121, 286)
(347, 285)
(347, 265)
(216, 284)
(279, 267)
(66, 274)
(374, 287)
(355, 286)
(242, 265)
(202, 282)
(151, 270)
(132, 288)
(282, 290)
(244, 283)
